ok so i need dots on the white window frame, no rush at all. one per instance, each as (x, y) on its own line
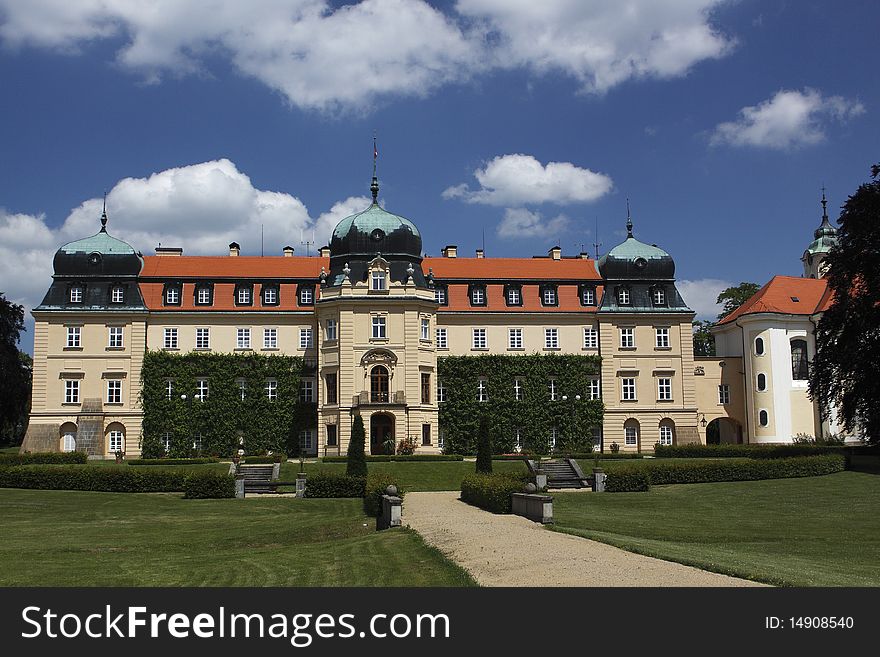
(378, 279)
(514, 296)
(479, 339)
(515, 338)
(270, 338)
(588, 296)
(594, 388)
(331, 330)
(440, 295)
(758, 385)
(425, 329)
(203, 389)
(242, 388)
(553, 387)
(628, 388)
(661, 337)
(517, 439)
(169, 388)
(442, 338)
(68, 441)
(76, 294)
(117, 294)
(631, 436)
(549, 296)
(203, 337)
(115, 441)
(554, 436)
(270, 295)
(623, 297)
(659, 297)
(271, 389)
(166, 441)
(551, 338)
(591, 337)
(170, 337)
(74, 337)
(114, 391)
(723, 393)
(307, 391)
(306, 337)
(305, 439)
(172, 296)
(115, 337)
(478, 296)
(71, 391)
(666, 434)
(441, 392)
(627, 337)
(763, 346)
(379, 327)
(203, 296)
(242, 338)
(518, 394)
(306, 296)
(244, 296)
(482, 389)
(767, 414)
(664, 388)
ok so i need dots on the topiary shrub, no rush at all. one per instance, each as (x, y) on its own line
(357, 462)
(335, 485)
(38, 458)
(491, 491)
(376, 485)
(484, 448)
(208, 485)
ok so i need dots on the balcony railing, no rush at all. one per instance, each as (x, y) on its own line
(368, 397)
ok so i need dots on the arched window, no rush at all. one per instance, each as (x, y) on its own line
(379, 384)
(631, 433)
(667, 432)
(115, 438)
(763, 418)
(762, 382)
(68, 437)
(759, 346)
(799, 367)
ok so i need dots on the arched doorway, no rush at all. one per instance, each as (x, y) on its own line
(68, 437)
(381, 431)
(724, 431)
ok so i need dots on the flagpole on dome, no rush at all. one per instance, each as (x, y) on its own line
(374, 186)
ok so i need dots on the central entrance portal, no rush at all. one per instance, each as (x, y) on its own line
(381, 429)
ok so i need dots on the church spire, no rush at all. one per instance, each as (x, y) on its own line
(104, 215)
(825, 228)
(629, 222)
(374, 185)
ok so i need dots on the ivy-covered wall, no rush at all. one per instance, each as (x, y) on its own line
(535, 414)
(223, 416)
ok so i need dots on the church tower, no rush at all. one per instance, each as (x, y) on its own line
(825, 237)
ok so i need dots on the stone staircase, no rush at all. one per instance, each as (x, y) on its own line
(258, 478)
(561, 473)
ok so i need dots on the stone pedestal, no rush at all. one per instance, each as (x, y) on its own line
(301, 484)
(599, 477)
(541, 480)
(239, 487)
(533, 506)
(391, 512)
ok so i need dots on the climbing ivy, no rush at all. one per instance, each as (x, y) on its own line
(535, 414)
(267, 425)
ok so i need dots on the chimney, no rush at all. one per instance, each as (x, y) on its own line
(584, 255)
(324, 251)
(481, 253)
(169, 251)
(287, 251)
(449, 251)
(234, 249)
(555, 253)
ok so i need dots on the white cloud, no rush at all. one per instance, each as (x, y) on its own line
(201, 207)
(700, 295)
(514, 180)
(323, 57)
(519, 222)
(789, 119)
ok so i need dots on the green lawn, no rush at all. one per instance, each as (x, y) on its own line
(815, 531)
(66, 538)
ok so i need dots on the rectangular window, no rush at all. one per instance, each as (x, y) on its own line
(549, 296)
(659, 297)
(114, 391)
(166, 441)
(426, 435)
(114, 337)
(591, 337)
(169, 388)
(270, 338)
(517, 440)
(551, 338)
(664, 389)
(623, 296)
(441, 392)
(203, 296)
(631, 436)
(243, 338)
(242, 388)
(426, 388)
(203, 338)
(305, 338)
(514, 296)
(379, 332)
(378, 280)
(172, 296)
(514, 338)
(330, 381)
(331, 435)
(441, 439)
(271, 389)
(627, 338)
(426, 329)
(554, 435)
(305, 439)
(588, 296)
(482, 390)
(73, 337)
(71, 391)
(244, 296)
(661, 338)
(331, 330)
(170, 338)
(724, 394)
(306, 296)
(115, 441)
(518, 389)
(480, 341)
(478, 296)
(76, 294)
(594, 387)
(307, 390)
(202, 389)
(441, 338)
(270, 296)
(440, 295)
(553, 386)
(628, 388)
(117, 294)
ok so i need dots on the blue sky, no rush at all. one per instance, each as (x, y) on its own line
(527, 122)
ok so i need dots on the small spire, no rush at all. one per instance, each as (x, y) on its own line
(374, 186)
(104, 214)
(824, 207)
(629, 222)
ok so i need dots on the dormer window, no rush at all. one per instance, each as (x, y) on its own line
(377, 280)
(588, 296)
(440, 295)
(514, 295)
(172, 294)
(117, 294)
(76, 294)
(658, 296)
(548, 296)
(478, 295)
(270, 295)
(204, 295)
(306, 295)
(623, 296)
(243, 294)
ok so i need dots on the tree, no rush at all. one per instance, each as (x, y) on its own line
(484, 447)
(704, 341)
(15, 374)
(845, 374)
(734, 297)
(357, 458)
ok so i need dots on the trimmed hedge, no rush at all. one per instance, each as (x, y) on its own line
(376, 485)
(199, 461)
(755, 451)
(208, 485)
(109, 480)
(397, 457)
(41, 458)
(325, 484)
(605, 456)
(491, 491)
(274, 458)
(627, 480)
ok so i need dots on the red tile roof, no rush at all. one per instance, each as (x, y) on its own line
(238, 267)
(224, 299)
(778, 296)
(574, 269)
(459, 301)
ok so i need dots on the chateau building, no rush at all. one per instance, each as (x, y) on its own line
(372, 316)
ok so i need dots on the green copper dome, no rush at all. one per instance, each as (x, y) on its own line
(98, 243)
(376, 231)
(825, 235)
(632, 259)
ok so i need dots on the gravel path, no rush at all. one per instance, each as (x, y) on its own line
(506, 550)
